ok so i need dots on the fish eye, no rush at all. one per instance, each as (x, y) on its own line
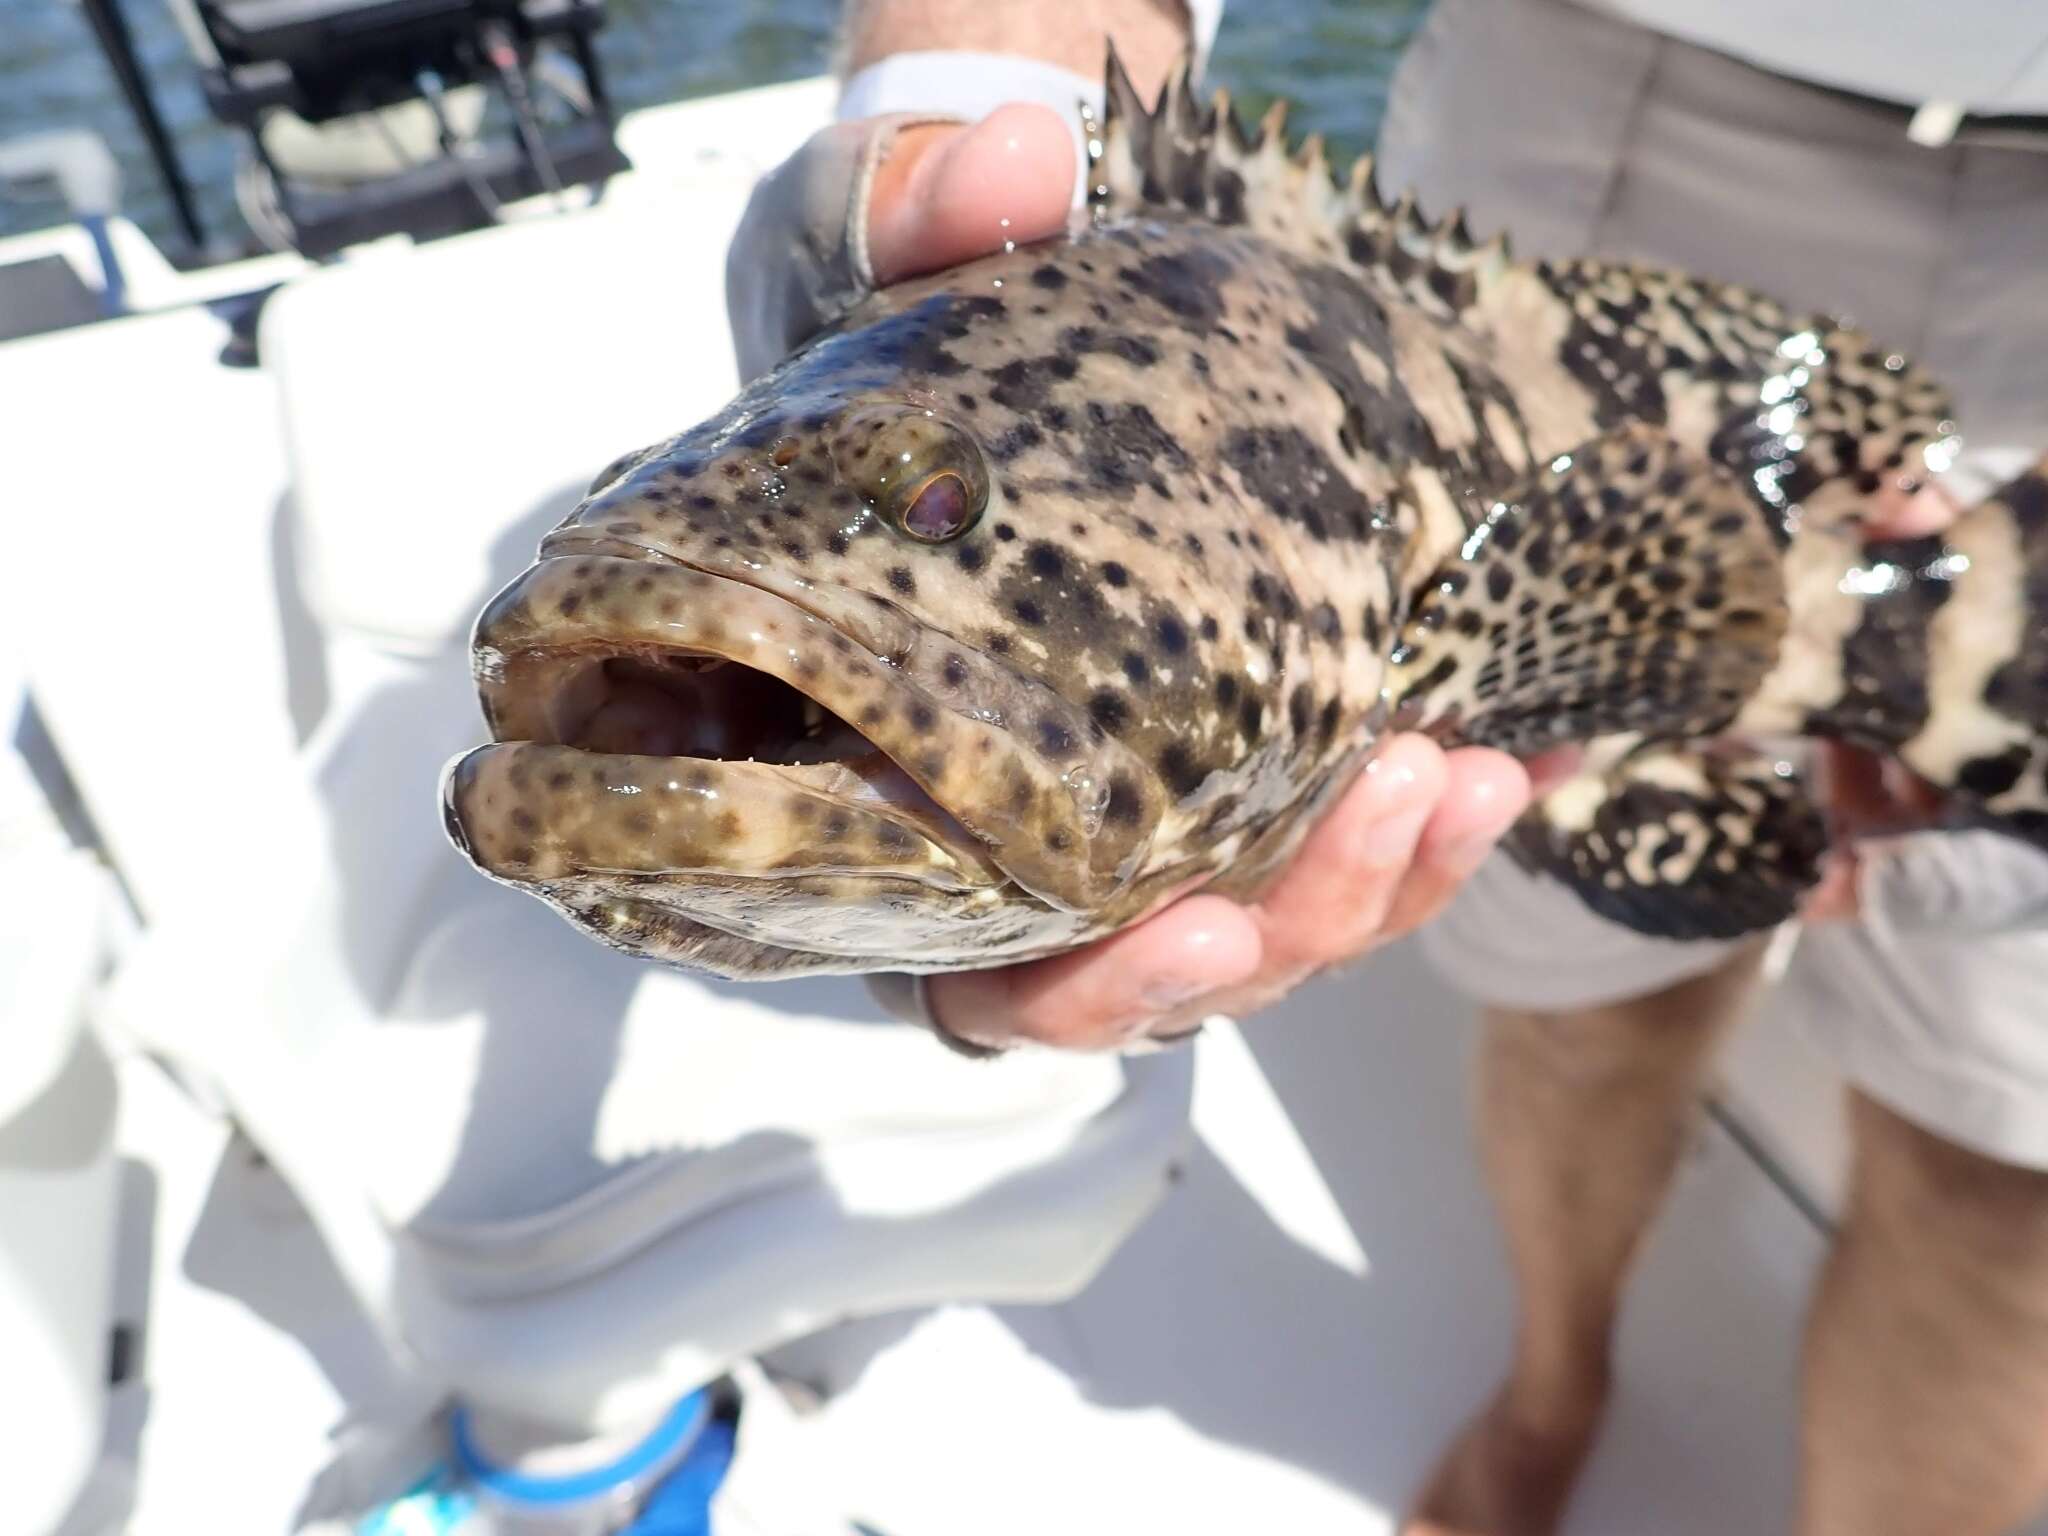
(943, 508)
(920, 473)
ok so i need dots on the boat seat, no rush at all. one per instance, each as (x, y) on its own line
(59, 1181)
(567, 1185)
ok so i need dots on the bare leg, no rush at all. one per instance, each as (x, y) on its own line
(1582, 1117)
(1927, 1356)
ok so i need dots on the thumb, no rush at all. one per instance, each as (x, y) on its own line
(947, 194)
(1910, 511)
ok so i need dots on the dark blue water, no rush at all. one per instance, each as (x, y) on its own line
(1332, 58)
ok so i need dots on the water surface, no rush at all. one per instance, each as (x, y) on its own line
(1332, 58)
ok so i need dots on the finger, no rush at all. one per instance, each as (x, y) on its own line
(1331, 901)
(1867, 795)
(1206, 954)
(1851, 784)
(1904, 510)
(1837, 897)
(1484, 794)
(948, 194)
(1547, 770)
(1916, 801)
(1104, 996)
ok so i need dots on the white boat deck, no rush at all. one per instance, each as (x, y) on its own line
(1281, 1344)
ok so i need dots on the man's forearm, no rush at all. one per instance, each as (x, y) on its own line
(1149, 34)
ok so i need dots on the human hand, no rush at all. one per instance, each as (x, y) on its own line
(1866, 795)
(949, 192)
(938, 192)
(1383, 860)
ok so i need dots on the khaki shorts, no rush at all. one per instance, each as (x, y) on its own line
(1586, 135)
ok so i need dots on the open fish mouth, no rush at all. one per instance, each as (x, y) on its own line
(659, 724)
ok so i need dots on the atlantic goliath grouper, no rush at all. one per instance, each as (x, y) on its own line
(1035, 593)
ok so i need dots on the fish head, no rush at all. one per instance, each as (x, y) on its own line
(762, 704)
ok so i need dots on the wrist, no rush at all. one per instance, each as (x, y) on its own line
(1150, 35)
(991, 63)
(965, 86)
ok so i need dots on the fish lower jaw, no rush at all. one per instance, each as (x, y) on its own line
(774, 741)
(743, 870)
(536, 813)
(860, 938)
(619, 686)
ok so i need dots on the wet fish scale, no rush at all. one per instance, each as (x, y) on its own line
(1121, 509)
(1085, 574)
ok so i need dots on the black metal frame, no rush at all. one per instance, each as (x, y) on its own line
(110, 29)
(324, 59)
(328, 58)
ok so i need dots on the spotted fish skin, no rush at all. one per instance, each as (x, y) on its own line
(1264, 467)
(1177, 600)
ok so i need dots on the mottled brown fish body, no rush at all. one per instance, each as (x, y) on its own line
(1059, 678)
(1039, 591)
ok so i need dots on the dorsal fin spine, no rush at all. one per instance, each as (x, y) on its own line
(1183, 154)
(1273, 127)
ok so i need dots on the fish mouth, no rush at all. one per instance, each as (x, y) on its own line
(654, 720)
(670, 735)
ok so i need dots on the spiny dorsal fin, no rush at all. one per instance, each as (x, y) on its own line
(1199, 159)
(1640, 343)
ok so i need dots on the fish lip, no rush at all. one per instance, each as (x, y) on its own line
(568, 542)
(954, 860)
(1017, 812)
(498, 673)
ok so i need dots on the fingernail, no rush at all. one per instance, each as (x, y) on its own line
(1199, 964)
(1172, 991)
(920, 1004)
(1155, 1045)
(1180, 1036)
(1467, 854)
(1390, 841)
(1470, 851)
(1393, 775)
(961, 1046)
